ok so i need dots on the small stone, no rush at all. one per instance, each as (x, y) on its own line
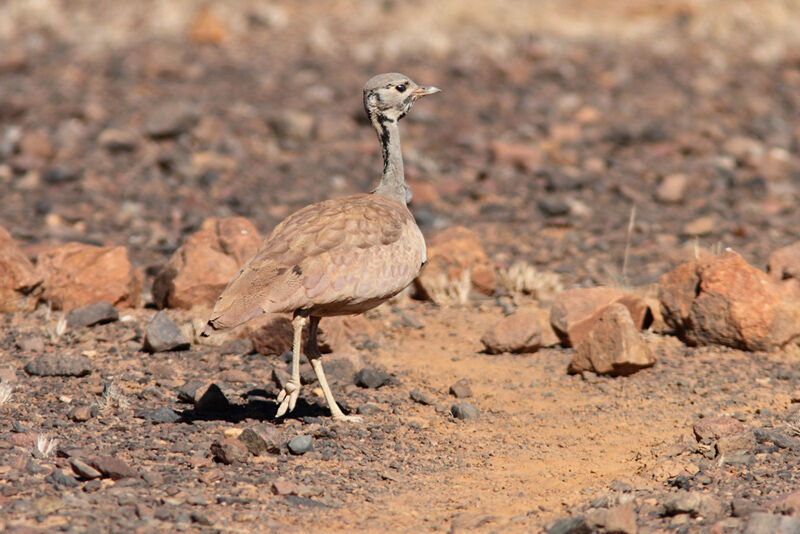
(210, 398)
(254, 443)
(613, 346)
(60, 479)
(170, 119)
(301, 444)
(784, 263)
(422, 397)
(98, 313)
(115, 140)
(553, 206)
(741, 442)
(31, 344)
(621, 519)
(371, 378)
(694, 504)
(764, 523)
(60, 175)
(672, 188)
(464, 410)
(163, 335)
(59, 365)
(519, 332)
(570, 525)
(83, 470)
(188, 390)
(716, 427)
(164, 414)
(744, 507)
(293, 125)
(200, 518)
(80, 414)
(368, 409)
(229, 451)
(112, 467)
(461, 389)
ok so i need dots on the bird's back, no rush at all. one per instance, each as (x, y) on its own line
(336, 257)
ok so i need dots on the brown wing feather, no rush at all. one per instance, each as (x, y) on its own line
(337, 256)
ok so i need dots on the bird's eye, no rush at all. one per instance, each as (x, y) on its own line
(401, 88)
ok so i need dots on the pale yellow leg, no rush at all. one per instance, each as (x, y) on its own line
(314, 355)
(291, 391)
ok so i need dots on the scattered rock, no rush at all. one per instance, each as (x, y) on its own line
(59, 365)
(115, 140)
(621, 519)
(20, 283)
(519, 332)
(420, 397)
(461, 389)
(723, 300)
(371, 378)
(32, 343)
(570, 525)
(77, 275)
(741, 442)
(274, 336)
(788, 504)
(83, 470)
(342, 368)
(716, 427)
(60, 479)
(456, 262)
(784, 263)
(368, 409)
(672, 188)
(164, 414)
(764, 523)
(112, 467)
(254, 443)
(693, 503)
(163, 335)
(170, 119)
(614, 346)
(552, 206)
(301, 444)
(293, 125)
(80, 414)
(229, 451)
(210, 398)
(464, 410)
(576, 310)
(201, 268)
(98, 313)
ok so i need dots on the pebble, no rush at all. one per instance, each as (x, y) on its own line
(80, 414)
(164, 414)
(763, 523)
(368, 409)
(553, 206)
(672, 188)
(741, 442)
(254, 443)
(210, 399)
(301, 444)
(163, 335)
(570, 525)
(112, 467)
(371, 378)
(31, 344)
(62, 480)
(461, 389)
(84, 470)
(60, 175)
(170, 119)
(59, 365)
(716, 427)
(229, 451)
(115, 140)
(464, 410)
(421, 397)
(97, 313)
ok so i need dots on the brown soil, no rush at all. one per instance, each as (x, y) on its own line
(607, 111)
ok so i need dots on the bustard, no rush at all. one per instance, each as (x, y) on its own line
(337, 257)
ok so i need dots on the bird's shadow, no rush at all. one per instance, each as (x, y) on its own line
(260, 408)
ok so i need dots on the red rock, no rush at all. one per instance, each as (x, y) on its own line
(723, 300)
(672, 188)
(784, 263)
(76, 275)
(200, 269)
(575, 311)
(614, 345)
(621, 519)
(112, 467)
(788, 504)
(336, 334)
(456, 263)
(519, 332)
(20, 284)
(230, 451)
(716, 427)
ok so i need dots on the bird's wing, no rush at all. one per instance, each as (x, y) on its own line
(337, 251)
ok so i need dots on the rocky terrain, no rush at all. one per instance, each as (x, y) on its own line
(606, 336)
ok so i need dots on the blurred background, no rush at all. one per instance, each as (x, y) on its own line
(128, 123)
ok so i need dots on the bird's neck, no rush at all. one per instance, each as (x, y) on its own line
(393, 184)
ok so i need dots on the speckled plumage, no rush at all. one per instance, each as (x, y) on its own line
(337, 257)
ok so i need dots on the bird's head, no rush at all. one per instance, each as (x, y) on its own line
(390, 96)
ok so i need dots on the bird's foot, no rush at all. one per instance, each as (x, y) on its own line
(288, 397)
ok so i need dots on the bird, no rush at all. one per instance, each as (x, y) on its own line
(341, 256)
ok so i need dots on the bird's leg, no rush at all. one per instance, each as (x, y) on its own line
(288, 396)
(315, 357)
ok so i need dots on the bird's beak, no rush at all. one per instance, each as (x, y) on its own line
(423, 91)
